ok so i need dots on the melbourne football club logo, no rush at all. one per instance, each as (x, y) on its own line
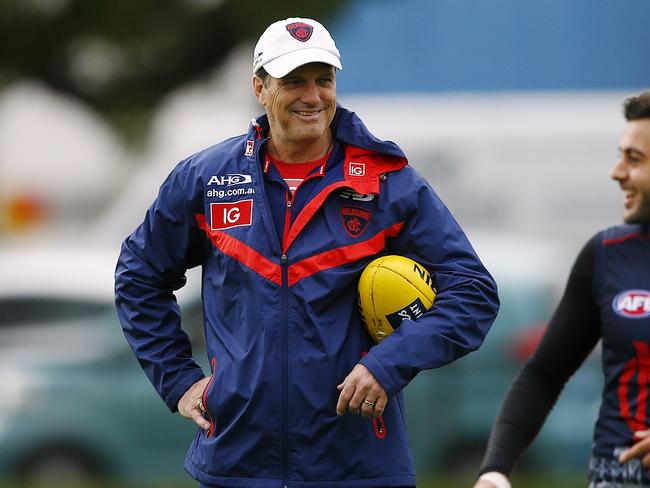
(632, 304)
(355, 220)
(300, 31)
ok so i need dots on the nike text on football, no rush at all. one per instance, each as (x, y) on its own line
(357, 169)
(412, 311)
(231, 214)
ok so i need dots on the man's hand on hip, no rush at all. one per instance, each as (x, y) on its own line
(191, 403)
(361, 393)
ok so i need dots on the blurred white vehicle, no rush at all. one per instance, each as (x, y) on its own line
(74, 403)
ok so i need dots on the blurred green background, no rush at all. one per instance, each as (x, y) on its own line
(512, 112)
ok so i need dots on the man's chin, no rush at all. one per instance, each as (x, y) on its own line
(639, 216)
(310, 136)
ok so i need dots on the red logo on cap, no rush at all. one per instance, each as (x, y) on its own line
(300, 31)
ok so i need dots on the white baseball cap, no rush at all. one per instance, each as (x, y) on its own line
(290, 43)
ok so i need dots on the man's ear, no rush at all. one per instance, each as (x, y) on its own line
(258, 89)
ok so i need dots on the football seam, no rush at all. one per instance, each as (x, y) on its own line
(372, 292)
(405, 279)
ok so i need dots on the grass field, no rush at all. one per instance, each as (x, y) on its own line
(438, 482)
(518, 482)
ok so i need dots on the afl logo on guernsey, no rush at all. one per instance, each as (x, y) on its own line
(632, 304)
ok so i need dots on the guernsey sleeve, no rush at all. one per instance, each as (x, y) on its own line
(572, 334)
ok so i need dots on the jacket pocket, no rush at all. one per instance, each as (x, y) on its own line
(378, 424)
(380, 427)
(208, 387)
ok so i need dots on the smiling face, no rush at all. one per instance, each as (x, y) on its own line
(300, 107)
(632, 171)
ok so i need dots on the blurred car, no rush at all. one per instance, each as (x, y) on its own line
(74, 403)
(460, 401)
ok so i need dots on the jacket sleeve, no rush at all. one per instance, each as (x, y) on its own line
(464, 308)
(151, 266)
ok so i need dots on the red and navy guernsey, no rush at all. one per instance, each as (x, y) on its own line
(622, 293)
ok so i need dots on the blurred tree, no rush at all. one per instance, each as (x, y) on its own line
(121, 56)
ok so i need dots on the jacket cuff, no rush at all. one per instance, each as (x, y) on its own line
(380, 374)
(182, 385)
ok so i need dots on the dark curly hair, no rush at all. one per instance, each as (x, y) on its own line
(637, 107)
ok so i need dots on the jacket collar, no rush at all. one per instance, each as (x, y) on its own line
(366, 157)
(347, 127)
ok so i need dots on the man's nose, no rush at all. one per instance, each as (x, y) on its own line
(618, 171)
(311, 93)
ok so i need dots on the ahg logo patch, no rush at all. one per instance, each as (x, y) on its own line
(355, 220)
(632, 304)
(230, 179)
(231, 214)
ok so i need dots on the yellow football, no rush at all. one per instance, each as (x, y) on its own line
(392, 289)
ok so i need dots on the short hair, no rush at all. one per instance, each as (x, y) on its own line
(638, 107)
(263, 75)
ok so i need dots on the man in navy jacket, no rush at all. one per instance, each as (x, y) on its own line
(283, 220)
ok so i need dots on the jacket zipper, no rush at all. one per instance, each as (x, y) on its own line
(204, 397)
(284, 374)
(274, 238)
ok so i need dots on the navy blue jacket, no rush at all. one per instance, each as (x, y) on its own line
(281, 322)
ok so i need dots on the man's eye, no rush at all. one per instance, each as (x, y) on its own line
(634, 157)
